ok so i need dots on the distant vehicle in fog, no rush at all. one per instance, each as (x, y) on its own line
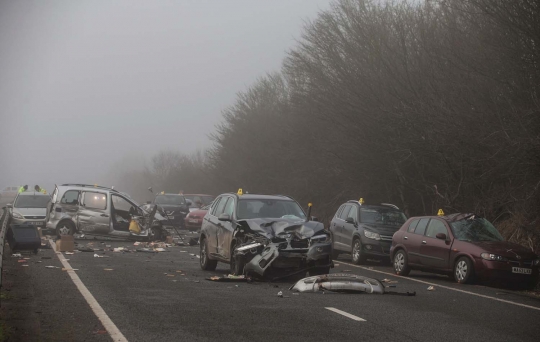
(194, 219)
(199, 200)
(29, 208)
(174, 206)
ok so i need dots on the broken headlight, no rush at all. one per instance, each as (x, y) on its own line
(17, 215)
(489, 256)
(250, 246)
(371, 235)
(322, 238)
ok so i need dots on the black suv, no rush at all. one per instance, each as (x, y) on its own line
(263, 235)
(365, 230)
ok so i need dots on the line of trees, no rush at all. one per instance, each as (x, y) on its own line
(426, 105)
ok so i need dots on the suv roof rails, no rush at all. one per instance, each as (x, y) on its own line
(90, 186)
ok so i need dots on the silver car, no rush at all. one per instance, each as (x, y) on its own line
(29, 208)
(97, 210)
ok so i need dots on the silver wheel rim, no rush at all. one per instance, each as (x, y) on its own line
(461, 270)
(203, 253)
(399, 262)
(356, 251)
(64, 230)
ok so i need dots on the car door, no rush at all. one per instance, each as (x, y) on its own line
(69, 203)
(335, 225)
(225, 230)
(93, 216)
(435, 253)
(412, 239)
(340, 222)
(349, 228)
(212, 225)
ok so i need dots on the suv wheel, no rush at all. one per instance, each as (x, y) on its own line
(65, 228)
(358, 257)
(401, 265)
(206, 264)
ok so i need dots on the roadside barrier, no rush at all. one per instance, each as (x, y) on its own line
(3, 230)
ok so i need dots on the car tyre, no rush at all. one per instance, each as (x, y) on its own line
(401, 263)
(206, 264)
(358, 257)
(464, 271)
(65, 228)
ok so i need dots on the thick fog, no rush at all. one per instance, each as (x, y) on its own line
(86, 85)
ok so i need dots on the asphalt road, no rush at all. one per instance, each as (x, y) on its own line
(165, 297)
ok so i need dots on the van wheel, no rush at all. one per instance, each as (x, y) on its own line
(463, 271)
(206, 264)
(65, 228)
(401, 264)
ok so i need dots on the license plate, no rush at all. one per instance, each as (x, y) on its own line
(521, 270)
(193, 220)
(170, 217)
(36, 223)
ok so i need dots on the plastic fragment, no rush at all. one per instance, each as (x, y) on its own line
(280, 294)
(16, 255)
(431, 288)
(108, 269)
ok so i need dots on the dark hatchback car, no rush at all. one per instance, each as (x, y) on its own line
(465, 245)
(174, 206)
(365, 231)
(263, 235)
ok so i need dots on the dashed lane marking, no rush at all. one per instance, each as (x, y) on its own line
(111, 328)
(445, 287)
(346, 314)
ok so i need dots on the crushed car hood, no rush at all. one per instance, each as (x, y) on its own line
(271, 228)
(505, 249)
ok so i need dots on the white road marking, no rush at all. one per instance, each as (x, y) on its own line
(111, 328)
(346, 314)
(446, 287)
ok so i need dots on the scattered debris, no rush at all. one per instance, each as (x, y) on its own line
(229, 278)
(70, 269)
(280, 294)
(431, 288)
(108, 269)
(21, 260)
(118, 249)
(85, 249)
(160, 249)
(52, 267)
(16, 255)
(136, 243)
(66, 253)
(389, 281)
(25, 265)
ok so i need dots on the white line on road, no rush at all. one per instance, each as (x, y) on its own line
(111, 328)
(445, 287)
(346, 314)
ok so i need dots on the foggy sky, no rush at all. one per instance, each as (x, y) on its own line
(84, 84)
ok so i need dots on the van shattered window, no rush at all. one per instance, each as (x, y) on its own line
(95, 200)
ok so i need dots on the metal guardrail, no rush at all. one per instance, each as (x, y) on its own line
(3, 230)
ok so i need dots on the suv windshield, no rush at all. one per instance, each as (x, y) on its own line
(389, 217)
(170, 199)
(36, 201)
(475, 229)
(249, 209)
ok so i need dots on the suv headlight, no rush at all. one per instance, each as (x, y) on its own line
(489, 256)
(371, 235)
(17, 215)
(319, 239)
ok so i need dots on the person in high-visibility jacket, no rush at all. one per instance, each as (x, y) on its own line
(23, 188)
(40, 189)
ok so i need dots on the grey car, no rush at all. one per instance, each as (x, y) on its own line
(29, 208)
(98, 210)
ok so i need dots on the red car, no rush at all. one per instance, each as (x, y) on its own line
(465, 245)
(199, 200)
(194, 219)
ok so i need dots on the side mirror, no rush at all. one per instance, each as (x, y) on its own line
(441, 236)
(350, 220)
(224, 217)
(314, 218)
(9, 206)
